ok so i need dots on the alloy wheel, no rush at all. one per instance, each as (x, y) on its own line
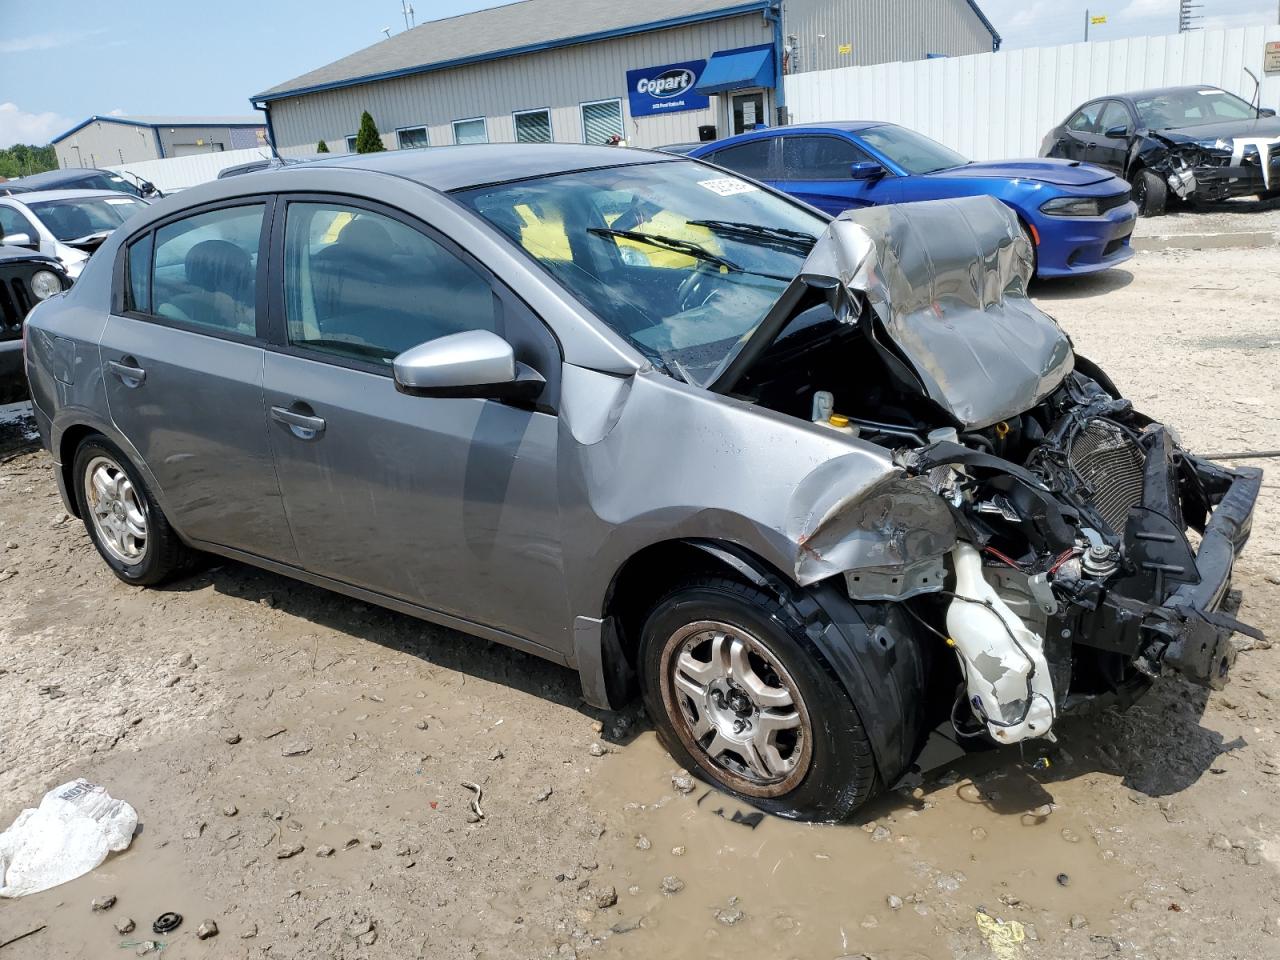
(116, 511)
(736, 708)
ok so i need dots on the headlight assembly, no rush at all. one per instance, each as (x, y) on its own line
(45, 283)
(1071, 207)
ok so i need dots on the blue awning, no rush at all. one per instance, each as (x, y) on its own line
(736, 69)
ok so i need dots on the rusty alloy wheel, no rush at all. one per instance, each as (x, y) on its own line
(735, 708)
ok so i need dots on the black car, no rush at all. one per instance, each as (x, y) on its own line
(1199, 142)
(81, 178)
(26, 278)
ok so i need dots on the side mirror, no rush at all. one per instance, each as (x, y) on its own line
(866, 170)
(1116, 133)
(20, 240)
(1266, 112)
(475, 363)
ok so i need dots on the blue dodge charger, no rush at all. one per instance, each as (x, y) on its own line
(1079, 216)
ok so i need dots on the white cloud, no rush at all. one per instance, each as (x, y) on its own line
(18, 126)
(35, 42)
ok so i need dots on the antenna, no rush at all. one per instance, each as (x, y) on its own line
(1186, 18)
(387, 31)
(1256, 100)
(406, 10)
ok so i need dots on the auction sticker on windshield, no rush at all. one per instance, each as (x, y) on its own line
(727, 186)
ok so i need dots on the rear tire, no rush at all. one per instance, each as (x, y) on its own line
(741, 697)
(123, 519)
(1150, 193)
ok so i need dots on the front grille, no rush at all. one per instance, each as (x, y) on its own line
(1109, 465)
(1113, 201)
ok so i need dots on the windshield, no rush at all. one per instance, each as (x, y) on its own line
(85, 216)
(680, 259)
(913, 152)
(1191, 107)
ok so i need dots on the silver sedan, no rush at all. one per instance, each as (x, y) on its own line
(812, 487)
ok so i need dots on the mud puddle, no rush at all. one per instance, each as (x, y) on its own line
(993, 838)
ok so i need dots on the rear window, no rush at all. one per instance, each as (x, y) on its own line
(750, 159)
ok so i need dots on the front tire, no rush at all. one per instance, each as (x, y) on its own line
(123, 519)
(740, 696)
(1150, 193)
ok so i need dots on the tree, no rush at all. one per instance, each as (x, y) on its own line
(23, 159)
(367, 139)
(322, 147)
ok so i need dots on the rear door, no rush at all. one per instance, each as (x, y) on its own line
(182, 360)
(450, 504)
(816, 169)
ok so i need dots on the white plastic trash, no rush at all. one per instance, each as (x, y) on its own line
(70, 833)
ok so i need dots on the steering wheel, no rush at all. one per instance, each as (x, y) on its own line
(696, 289)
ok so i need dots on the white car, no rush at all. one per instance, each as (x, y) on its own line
(67, 225)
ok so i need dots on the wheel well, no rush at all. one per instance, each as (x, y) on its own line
(654, 571)
(72, 437)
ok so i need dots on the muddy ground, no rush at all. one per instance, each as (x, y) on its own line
(246, 716)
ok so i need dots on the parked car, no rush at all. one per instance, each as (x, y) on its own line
(81, 178)
(680, 149)
(802, 480)
(1079, 218)
(26, 278)
(67, 225)
(1198, 143)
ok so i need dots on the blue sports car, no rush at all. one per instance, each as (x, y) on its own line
(1079, 216)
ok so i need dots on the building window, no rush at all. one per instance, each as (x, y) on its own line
(533, 126)
(351, 143)
(412, 138)
(601, 121)
(470, 131)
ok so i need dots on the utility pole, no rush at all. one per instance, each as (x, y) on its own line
(1086, 24)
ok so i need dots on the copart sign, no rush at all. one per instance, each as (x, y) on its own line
(666, 89)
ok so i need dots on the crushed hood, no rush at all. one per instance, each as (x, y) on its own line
(946, 280)
(1062, 173)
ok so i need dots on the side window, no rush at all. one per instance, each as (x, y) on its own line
(138, 293)
(819, 158)
(364, 286)
(750, 159)
(1113, 115)
(11, 222)
(1086, 118)
(206, 267)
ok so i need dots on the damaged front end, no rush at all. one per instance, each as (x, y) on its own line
(1215, 168)
(1038, 524)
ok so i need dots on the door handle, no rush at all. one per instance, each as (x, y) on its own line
(1090, 145)
(304, 426)
(126, 369)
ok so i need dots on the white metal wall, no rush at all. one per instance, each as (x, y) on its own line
(178, 173)
(1000, 105)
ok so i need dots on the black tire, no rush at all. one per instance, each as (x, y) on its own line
(1035, 251)
(1150, 193)
(162, 554)
(835, 770)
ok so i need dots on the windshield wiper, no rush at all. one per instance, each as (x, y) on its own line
(688, 247)
(781, 235)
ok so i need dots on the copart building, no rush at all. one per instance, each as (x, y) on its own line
(651, 72)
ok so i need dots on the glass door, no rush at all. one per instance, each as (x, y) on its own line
(747, 110)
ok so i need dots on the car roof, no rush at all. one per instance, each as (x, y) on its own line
(473, 165)
(1156, 92)
(39, 196)
(50, 178)
(826, 126)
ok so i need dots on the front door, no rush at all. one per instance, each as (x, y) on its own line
(747, 109)
(818, 169)
(182, 365)
(1111, 151)
(450, 504)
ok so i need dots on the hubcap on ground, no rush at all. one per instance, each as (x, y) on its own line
(116, 510)
(735, 707)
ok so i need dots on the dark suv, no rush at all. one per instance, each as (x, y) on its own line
(26, 278)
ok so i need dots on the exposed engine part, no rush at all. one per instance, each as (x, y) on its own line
(1006, 675)
(1108, 464)
(1099, 560)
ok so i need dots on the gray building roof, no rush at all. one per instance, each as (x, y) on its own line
(515, 28)
(250, 121)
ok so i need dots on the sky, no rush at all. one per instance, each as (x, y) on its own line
(64, 60)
